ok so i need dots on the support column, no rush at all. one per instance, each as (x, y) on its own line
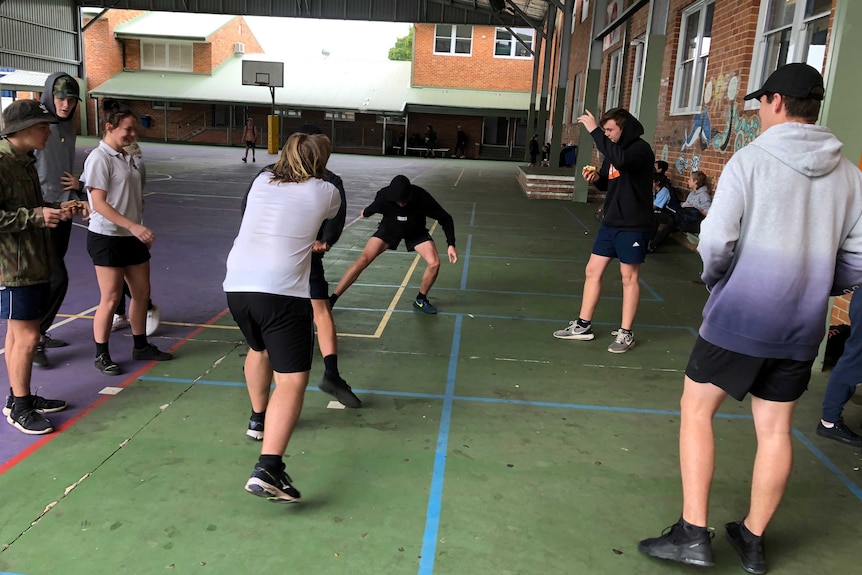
(654, 54)
(843, 81)
(546, 73)
(531, 113)
(562, 80)
(591, 98)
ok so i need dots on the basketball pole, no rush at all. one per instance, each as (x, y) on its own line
(272, 126)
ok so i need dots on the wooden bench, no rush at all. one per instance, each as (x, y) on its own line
(443, 152)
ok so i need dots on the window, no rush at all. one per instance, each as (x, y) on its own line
(451, 39)
(585, 9)
(789, 31)
(692, 58)
(615, 69)
(638, 65)
(505, 45)
(342, 116)
(577, 98)
(161, 105)
(165, 56)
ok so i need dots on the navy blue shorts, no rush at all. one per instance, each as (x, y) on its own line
(628, 247)
(280, 325)
(24, 303)
(739, 374)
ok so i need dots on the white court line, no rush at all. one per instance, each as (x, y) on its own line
(459, 177)
(80, 315)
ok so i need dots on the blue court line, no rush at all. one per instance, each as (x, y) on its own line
(473, 215)
(495, 292)
(435, 498)
(466, 257)
(576, 218)
(854, 489)
(655, 296)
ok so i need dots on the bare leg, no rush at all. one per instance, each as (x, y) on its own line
(631, 293)
(373, 248)
(285, 405)
(428, 251)
(773, 422)
(327, 339)
(258, 379)
(593, 285)
(110, 282)
(138, 278)
(699, 403)
(21, 339)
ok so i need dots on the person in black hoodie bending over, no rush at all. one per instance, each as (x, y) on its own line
(404, 208)
(626, 177)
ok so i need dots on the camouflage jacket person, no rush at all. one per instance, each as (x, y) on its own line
(24, 237)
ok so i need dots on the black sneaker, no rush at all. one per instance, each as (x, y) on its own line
(274, 487)
(255, 430)
(749, 547)
(839, 432)
(50, 343)
(30, 422)
(40, 404)
(681, 542)
(39, 358)
(338, 388)
(424, 306)
(106, 365)
(151, 353)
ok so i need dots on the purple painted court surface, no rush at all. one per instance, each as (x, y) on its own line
(192, 200)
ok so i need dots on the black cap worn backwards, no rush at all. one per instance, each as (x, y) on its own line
(796, 80)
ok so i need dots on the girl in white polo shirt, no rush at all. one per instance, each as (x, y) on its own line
(118, 242)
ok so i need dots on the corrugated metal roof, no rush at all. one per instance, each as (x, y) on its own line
(350, 85)
(179, 25)
(24, 81)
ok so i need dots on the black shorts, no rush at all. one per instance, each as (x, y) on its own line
(317, 282)
(249, 144)
(116, 251)
(738, 374)
(392, 240)
(281, 325)
(25, 303)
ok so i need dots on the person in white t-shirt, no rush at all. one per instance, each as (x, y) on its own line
(268, 293)
(117, 241)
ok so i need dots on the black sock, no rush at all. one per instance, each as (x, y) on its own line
(102, 348)
(140, 341)
(626, 331)
(271, 462)
(332, 299)
(20, 404)
(258, 415)
(746, 534)
(330, 364)
(584, 322)
(421, 297)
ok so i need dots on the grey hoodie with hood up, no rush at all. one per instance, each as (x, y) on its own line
(784, 231)
(59, 154)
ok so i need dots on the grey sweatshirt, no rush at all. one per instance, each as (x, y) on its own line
(59, 154)
(784, 231)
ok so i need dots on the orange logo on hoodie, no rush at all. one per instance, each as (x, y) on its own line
(613, 172)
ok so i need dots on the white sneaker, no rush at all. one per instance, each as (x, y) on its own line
(153, 317)
(575, 331)
(624, 342)
(120, 321)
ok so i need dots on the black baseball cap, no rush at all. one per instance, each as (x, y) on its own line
(21, 114)
(796, 80)
(66, 87)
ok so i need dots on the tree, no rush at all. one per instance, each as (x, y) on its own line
(403, 49)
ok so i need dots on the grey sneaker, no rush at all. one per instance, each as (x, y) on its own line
(624, 342)
(575, 331)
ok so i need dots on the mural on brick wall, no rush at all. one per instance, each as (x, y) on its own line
(720, 125)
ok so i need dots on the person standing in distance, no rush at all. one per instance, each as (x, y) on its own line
(769, 285)
(249, 136)
(626, 176)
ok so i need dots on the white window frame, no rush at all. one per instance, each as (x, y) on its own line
(514, 45)
(184, 52)
(577, 100)
(161, 105)
(638, 68)
(615, 76)
(585, 9)
(453, 39)
(699, 63)
(340, 116)
(797, 51)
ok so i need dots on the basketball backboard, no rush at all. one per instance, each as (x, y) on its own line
(262, 73)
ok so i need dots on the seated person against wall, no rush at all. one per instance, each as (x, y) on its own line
(691, 212)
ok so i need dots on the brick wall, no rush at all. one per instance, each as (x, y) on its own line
(223, 40)
(103, 53)
(446, 128)
(841, 310)
(479, 71)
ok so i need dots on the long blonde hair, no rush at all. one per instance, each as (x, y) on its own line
(304, 156)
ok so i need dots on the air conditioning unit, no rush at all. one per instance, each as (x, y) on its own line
(239, 48)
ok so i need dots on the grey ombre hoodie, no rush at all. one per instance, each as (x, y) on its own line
(59, 154)
(784, 230)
